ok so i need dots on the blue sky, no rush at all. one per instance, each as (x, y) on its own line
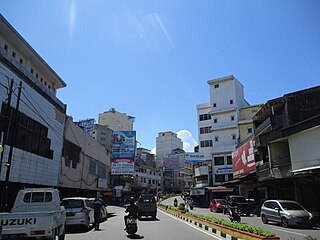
(152, 59)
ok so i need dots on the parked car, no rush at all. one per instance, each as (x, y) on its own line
(239, 201)
(104, 210)
(217, 205)
(147, 206)
(286, 212)
(78, 211)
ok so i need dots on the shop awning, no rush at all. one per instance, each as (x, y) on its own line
(306, 169)
(219, 189)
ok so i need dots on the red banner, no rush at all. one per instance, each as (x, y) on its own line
(243, 161)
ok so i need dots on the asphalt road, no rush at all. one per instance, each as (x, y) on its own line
(283, 233)
(165, 227)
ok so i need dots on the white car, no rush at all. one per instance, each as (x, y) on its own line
(78, 211)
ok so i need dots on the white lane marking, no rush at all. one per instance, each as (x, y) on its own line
(199, 229)
(280, 229)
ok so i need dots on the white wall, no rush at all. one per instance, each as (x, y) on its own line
(305, 148)
(28, 167)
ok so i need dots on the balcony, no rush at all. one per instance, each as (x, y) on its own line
(264, 172)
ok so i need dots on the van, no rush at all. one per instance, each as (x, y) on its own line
(147, 206)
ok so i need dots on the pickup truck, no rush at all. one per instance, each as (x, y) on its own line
(36, 214)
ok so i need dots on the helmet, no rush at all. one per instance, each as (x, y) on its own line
(132, 200)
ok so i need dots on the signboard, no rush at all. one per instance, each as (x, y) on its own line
(243, 161)
(197, 157)
(197, 192)
(224, 171)
(123, 144)
(123, 152)
(102, 183)
(122, 167)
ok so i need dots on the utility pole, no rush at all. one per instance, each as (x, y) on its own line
(6, 120)
(14, 136)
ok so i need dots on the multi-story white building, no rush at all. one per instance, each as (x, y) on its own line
(28, 85)
(166, 142)
(116, 121)
(221, 136)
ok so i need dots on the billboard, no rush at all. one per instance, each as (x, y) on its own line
(197, 157)
(243, 161)
(123, 152)
(172, 162)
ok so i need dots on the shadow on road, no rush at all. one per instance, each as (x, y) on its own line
(135, 236)
(149, 219)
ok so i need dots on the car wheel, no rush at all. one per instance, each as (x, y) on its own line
(284, 222)
(264, 219)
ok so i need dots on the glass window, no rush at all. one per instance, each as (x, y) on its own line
(216, 86)
(218, 161)
(219, 178)
(214, 105)
(231, 101)
(229, 160)
(249, 130)
(215, 120)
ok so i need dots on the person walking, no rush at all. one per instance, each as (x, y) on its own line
(97, 207)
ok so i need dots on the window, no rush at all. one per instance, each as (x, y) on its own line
(37, 197)
(216, 139)
(31, 70)
(219, 178)
(21, 61)
(230, 177)
(13, 54)
(45, 83)
(214, 105)
(254, 110)
(204, 130)
(233, 136)
(216, 86)
(92, 166)
(102, 169)
(249, 130)
(31, 136)
(206, 143)
(231, 101)
(41, 79)
(204, 117)
(37, 75)
(215, 120)
(5, 47)
(218, 161)
(229, 160)
(232, 118)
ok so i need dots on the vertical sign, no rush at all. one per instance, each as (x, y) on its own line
(123, 152)
(243, 161)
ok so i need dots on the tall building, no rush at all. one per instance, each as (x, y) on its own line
(218, 125)
(116, 121)
(32, 118)
(166, 142)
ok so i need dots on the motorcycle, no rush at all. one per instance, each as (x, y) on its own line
(234, 215)
(131, 225)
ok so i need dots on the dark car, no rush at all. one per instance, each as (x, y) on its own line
(217, 205)
(147, 206)
(237, 201)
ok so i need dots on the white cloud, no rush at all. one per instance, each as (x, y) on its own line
(188, 141)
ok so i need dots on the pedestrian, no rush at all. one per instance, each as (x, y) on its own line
(97, 207)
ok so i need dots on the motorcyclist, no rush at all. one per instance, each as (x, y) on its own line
(175, 202)
(132, 209)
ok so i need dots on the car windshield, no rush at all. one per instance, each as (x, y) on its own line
(72, 203)
(291, 206)
(239, 199)
(221, 201)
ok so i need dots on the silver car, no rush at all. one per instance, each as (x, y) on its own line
(78, 211)
(286, 212)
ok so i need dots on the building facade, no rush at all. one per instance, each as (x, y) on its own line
(218, 125)
(85, 164)
(116, 121)
(32, 117)
(166, 142)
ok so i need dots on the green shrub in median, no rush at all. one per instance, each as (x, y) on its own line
(240, 226)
